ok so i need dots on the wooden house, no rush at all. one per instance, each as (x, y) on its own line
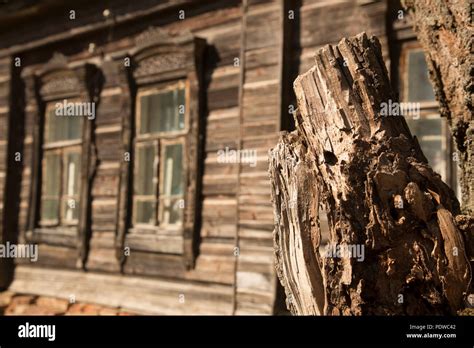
(158, 201)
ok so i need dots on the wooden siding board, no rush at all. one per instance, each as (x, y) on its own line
(156, 296)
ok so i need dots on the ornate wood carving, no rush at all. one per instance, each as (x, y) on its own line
(60, 83)
(56, 79)
(158, 54)
(161, 63)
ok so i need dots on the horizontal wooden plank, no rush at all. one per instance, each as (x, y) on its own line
(109, 145)
(223, 77)
(251, 302)
(154, 264)
(255, 280)
(171, 244)
(109, 109)
(213, 167)
(223, 98)
(155, 296)
(222, 129)
(258, 35)
(213, 268)
(219, 185)
(102, 239)
(324, 24)
(213, 228)
(102, 259)
(104, 214)
(219, 211)
(105, 183)
(54, 256)
(261, 57)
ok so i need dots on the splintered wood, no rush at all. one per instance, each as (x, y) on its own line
(381, 196)
(444, 30)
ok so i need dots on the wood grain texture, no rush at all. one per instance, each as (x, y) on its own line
(362, 163)
(137, 294)
(444, 30)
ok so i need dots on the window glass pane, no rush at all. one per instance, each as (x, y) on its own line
(50, 126)
(426, 127)
(145, 211)
(71, 186)
(173, 170)
(429, 134)
(433, 150)
(74, 127)
(70, 209)
(171, 210)
(146, 165)
(60, 128)
(49, 209)
(51, 174)
(72, 168)
(162, 111)
(51, 186)
(419, 85)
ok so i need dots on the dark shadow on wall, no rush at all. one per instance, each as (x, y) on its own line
(291, 64)
(291, 60)
(15, 158)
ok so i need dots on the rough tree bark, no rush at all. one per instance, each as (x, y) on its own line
(444, 29)
(379, 193)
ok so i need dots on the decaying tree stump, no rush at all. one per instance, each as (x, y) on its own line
(381, 198)
(444, 29)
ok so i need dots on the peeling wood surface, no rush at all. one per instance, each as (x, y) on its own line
(298, 265)
(444, 29)
(380, 194)
(139, 294)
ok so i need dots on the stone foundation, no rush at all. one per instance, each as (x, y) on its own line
(21, 304)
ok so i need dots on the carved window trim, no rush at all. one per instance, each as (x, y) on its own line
(160, 59)
(53, 82)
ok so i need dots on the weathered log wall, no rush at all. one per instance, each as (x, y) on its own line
(326, 22)
(215, 268)
(241, 80)
(247, 104)
(259, 116)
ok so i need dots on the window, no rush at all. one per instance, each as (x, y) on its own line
(61, 168)
(63, 160)
(430, 129)
(419, 88)
(159, 203)
(172, 184)
(162, 111)
(158, 190)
